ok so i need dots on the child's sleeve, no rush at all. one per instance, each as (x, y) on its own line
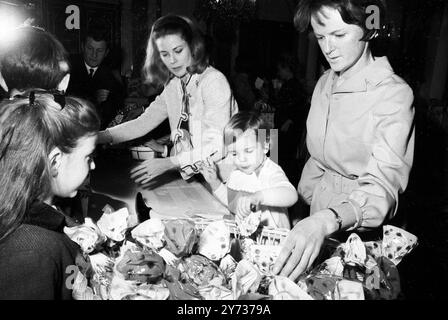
(278, 178)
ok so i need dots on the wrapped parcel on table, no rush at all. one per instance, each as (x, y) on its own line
(177, 259)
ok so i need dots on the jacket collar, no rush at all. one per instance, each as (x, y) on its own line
(45, 216)
(371, 75)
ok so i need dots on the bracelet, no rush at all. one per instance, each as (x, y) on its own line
(338, 218)
(357, 216)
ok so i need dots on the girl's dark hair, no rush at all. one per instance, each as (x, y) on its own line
(154, 70)
(33, 58)
(242, 122)
(351, 11)
(29, 130)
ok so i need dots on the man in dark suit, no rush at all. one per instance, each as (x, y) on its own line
(91, 78)
(95, 81)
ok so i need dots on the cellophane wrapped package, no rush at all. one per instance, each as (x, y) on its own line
(175, 259)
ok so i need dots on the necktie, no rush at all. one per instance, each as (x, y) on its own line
(91, 71)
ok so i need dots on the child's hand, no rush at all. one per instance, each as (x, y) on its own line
(246, 203)
(209, 172)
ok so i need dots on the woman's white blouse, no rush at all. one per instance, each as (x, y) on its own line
(211, 106)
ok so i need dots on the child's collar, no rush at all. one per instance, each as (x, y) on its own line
(258, 169)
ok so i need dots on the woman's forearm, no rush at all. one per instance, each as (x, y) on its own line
(104, 137)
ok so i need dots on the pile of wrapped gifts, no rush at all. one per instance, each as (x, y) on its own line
(183, 259)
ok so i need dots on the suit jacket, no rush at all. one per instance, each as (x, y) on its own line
(82, 85)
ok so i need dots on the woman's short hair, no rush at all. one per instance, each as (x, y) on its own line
(29, 130)
(351, 11)
(33, 58)
(244, 121)
(154, 70)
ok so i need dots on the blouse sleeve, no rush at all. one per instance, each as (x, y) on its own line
(311, 175)
(146, 122)
(391, 160)
(221, 194)
(219, 106)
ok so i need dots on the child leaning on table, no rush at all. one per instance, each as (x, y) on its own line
(257, 180)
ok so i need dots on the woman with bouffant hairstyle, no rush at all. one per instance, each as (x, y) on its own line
(196, 99)
(154, 70)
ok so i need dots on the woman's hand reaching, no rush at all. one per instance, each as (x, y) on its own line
(302, 246)
(149, 169)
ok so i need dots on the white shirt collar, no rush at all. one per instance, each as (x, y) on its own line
(89, 67)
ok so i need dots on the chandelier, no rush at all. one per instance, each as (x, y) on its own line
(229, 11)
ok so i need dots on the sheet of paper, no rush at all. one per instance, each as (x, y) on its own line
(179, 198)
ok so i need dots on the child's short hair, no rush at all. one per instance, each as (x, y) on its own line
(243, 121)
(30, 127)
(34, 58)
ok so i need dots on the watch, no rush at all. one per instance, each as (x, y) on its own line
(338, 218)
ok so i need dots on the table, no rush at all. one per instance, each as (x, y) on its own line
(168, 195)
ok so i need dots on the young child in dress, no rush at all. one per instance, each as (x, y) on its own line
(46, 146)
(257, 181)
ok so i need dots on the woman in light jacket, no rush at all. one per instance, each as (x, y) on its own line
(196, 99)
(360, 133)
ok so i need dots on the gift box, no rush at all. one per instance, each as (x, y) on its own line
(142, 153)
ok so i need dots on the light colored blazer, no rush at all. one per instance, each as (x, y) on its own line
(211, 106)
(361, 141)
